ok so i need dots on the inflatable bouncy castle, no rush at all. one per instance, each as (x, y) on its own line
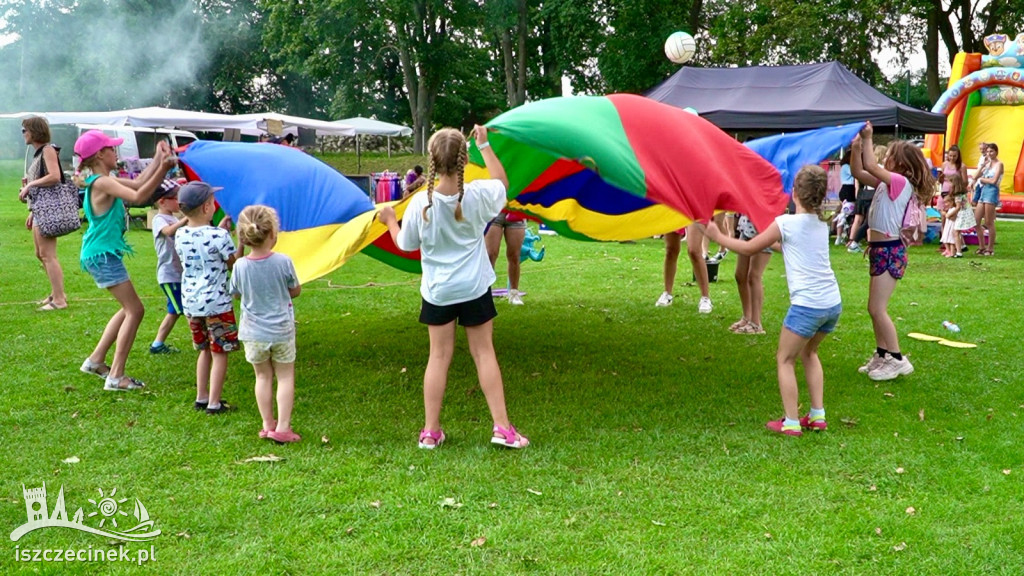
(985, 103)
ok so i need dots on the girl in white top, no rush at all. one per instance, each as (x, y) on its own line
(815, 304)
(448, 229)
(905, 175)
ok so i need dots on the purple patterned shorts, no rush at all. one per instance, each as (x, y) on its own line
(888, 257)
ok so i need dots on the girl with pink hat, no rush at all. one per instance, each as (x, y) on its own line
(104, 246)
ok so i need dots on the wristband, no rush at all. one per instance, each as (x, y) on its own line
(484, 145)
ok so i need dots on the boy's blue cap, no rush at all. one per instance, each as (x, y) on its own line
(194, 194)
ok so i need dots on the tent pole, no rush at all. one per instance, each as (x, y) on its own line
(359, 156)
(389, 146)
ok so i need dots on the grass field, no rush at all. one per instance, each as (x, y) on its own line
(649, 454)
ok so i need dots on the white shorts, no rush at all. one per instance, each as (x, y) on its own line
(279, 352)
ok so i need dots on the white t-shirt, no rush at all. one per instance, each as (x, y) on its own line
(204, 253)
(812, 283)
(168, 265)
(889, 205)
(454, 259)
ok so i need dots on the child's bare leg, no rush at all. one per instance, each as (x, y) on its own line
(755, 285)
(165, 327)
(481, 346)
(285, 372)
(132, 318)
(694, 241)
(879, 293)
(107, 339)
(218, 371)
(813, 373)
(672, 244)
(743, 263)
(203, 363)
(265, 392)
(790, 345)
(435, 378)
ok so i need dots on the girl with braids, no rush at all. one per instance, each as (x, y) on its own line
(104, 246)
(904, 175)
(446, 223)
(815, 304)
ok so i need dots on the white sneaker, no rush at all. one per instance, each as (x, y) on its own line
(704, 307)
(664, 300)
(891, 368)
(873, 363)
(514, 298)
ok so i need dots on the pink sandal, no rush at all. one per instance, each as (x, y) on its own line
(508, 437)
(265, 432)
(437, 437)
(283, 437)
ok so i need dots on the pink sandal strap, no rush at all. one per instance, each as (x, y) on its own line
(509, 437)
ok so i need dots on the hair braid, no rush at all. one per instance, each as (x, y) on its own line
(430, 189)
(460, 177)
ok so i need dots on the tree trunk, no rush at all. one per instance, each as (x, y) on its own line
(523, 30)
(508, 57)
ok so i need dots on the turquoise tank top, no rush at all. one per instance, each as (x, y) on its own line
(105, 236)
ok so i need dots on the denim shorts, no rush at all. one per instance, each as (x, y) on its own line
(806, 322)
(989, 194)
(107, 270)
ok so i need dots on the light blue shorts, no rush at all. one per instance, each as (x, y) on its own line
(989, 194)
(806, 322)
(107, 271)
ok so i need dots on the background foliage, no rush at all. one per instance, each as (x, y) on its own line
(447, 62)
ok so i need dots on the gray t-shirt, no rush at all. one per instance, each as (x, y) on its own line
(267, 314)
(168, 265)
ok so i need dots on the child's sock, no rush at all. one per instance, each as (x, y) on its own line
(156, 344)
(896, 355)
(790, 423)
(881, 352)
(817, 413)
(213, 406)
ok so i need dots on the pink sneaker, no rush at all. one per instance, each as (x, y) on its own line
(778, 427)
(265, 431)
(817, 424)
(508, 437)
(436, 437)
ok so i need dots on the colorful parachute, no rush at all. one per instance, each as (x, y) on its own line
(623, 167)
(617, 167)
(325, 218)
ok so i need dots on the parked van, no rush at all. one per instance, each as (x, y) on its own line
(139, 143)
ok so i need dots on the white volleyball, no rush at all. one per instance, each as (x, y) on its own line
(680, 47)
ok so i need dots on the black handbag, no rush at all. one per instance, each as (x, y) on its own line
(55, 208)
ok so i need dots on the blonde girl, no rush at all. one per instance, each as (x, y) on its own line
(951, 237)
(265, 281)
(964, 216)
(104, 246)
(815, 303)
(904, 175)
(446, 223)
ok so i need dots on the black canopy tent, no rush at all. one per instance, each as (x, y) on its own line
(789, 98)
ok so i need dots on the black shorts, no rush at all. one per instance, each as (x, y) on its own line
(470, 313)
(847, 193)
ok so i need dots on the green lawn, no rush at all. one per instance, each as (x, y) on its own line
(649, 454)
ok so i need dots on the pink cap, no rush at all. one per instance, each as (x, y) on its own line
(93, 141)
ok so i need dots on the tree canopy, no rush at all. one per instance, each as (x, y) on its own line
(448, 62)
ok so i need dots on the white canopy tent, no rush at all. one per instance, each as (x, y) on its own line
(374, 128)
(157, 117)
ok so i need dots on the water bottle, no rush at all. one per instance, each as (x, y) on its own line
(950, 326)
